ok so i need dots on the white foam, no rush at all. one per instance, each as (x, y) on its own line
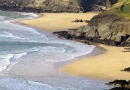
(58, 54)
(5, 61)
(30, 50)
(49, 49)
(30, 14)
(67, 51)
(23, 28)
(9, 60)
(21, 32)
(21, 84)
(16, 16)
(2, 17)
(14, 60)
(9, 35)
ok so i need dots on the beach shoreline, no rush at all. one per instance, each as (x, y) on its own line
(60, 65)
(97, 51)
(94, 72)
(106, 66)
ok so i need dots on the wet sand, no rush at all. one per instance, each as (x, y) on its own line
(106, 66)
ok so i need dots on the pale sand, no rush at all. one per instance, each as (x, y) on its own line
(105, 66)
(59, 21)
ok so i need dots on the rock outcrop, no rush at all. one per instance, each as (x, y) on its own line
(111, 27)
(127, 69)
(107, 29)
(120, 85)
(120, 88)
(56, 5)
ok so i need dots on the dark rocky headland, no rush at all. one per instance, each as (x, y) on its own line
(107, 29)
(111, 27)
(74, 6)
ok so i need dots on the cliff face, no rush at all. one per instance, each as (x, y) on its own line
(111, 27)
(55, 5)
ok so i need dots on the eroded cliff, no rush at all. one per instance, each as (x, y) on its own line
(106, 29)
(56, 5)
(111, 27)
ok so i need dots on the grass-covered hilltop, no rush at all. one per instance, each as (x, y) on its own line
(111, 27)
(121, 8)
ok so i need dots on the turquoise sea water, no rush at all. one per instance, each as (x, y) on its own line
(27, 58)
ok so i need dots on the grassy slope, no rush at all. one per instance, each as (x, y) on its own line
(121, 8)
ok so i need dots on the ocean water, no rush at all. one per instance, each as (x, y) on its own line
(27, 58)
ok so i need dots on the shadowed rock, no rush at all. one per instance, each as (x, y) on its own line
(119, 88)
(120, 85)
(110, 30)
(54, 5)
(80, 20)
(127, 69)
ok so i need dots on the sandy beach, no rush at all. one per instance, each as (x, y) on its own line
(106, 66)
(59, 21)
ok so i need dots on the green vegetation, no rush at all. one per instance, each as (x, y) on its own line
(126, 6)
(108, 3)
(121, 8)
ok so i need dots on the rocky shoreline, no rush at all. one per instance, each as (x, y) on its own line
(110, 30)
(120, 85)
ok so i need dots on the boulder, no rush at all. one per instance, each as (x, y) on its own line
(127, 69)
(118, 83)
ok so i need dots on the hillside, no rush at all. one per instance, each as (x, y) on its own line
(56, 5)
(111, 27)
(121, 8)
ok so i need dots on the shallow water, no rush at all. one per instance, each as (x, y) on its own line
(26, 54)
